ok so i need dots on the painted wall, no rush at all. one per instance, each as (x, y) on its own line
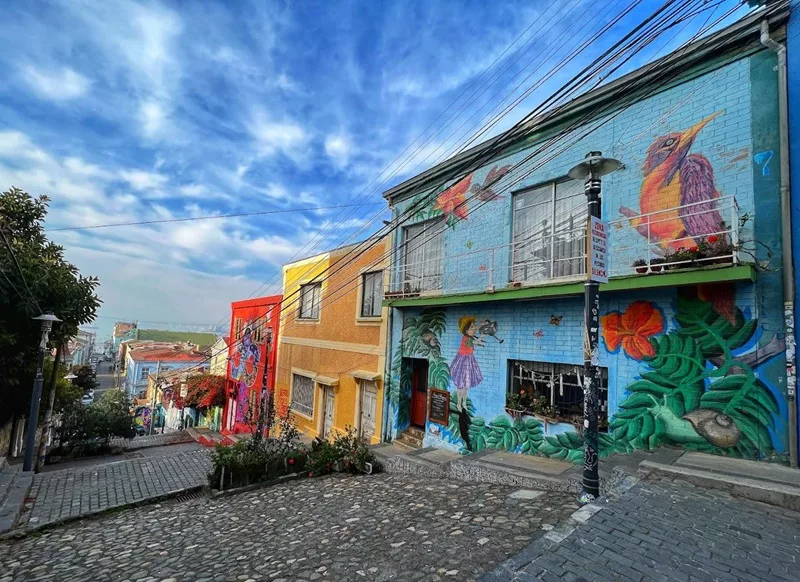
(247, 358)
(721, 123)
(339, 343)
(133, 371)
(692, 367)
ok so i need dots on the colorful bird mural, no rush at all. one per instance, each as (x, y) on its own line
(676, 184)
(453, 203)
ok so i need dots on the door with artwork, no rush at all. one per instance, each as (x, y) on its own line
(327, 423)
(419, 392)
(369, 405)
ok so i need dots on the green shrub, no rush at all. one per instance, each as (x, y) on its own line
(348, 452)
(87, 430)
(248, 462)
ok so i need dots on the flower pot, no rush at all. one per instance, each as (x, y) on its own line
(656, 268)
(514, 413)
(641, 269)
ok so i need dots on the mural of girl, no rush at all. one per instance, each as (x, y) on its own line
(464, 371)
(243, 369)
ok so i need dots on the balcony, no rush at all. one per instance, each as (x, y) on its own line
(640, 245)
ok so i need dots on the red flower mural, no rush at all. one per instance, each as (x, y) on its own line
(452, 201)
(633, 329)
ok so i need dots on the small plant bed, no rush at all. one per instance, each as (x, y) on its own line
(274, 460)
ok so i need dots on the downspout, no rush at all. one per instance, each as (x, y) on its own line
(786, 237)
(387, 363)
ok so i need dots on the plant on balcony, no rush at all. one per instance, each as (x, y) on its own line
(640, 265)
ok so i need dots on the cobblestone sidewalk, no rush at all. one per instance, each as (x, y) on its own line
(80, 491)
(339, 528)
(154, 440)
(665, 531)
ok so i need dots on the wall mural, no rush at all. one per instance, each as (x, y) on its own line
(452, 204)
(699, 388)
(674, 178)
(244, 365)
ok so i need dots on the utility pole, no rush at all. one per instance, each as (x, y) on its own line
(262, 406)
(47, 320)
(591, 169)
(153, 406)
(48, 415)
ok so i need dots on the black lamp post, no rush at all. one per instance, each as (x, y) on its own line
(591, 169)
(47, 319)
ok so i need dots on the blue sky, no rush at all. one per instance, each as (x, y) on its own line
(125, 111)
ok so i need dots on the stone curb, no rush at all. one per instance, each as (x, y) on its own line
(215, 494)
(545, 545)
(13, 504)
(772, 493)
(28, 529)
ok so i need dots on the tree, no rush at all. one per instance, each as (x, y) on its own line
(86, 378)
(50, 283)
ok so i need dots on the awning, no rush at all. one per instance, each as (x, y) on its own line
(327, 380)
(365, 375)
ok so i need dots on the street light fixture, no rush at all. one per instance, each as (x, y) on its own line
(591, 169)
(47, 319)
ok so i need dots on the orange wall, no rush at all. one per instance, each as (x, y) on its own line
(338, 343)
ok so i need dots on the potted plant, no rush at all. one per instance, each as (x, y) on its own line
(640, 265)
(656, 265)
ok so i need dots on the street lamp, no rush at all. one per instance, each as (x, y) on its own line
(47, 319)
(591, 169)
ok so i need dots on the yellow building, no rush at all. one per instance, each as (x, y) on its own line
(331, 348)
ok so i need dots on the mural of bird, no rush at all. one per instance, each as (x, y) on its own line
(674, 178)
(485, 192)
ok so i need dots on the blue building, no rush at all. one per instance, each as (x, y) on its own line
(488, 274)
(144, 359)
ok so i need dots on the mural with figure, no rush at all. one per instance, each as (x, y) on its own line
(244, 367)
(695, 381)
(676, 183)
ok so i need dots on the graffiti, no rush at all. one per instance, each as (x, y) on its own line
(556, 320)
(762, 159)
(244, 365)
(464, 370)
(489, 327)
(633, 329)
(485, 192)
(673, 179)
(538, 334)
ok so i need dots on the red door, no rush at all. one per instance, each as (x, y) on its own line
(419, 392)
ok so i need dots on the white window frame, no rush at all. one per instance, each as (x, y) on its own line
(315, 313)
(364, 293)
(144, 373)
(304, 408)
(563, 252)
(428, 273)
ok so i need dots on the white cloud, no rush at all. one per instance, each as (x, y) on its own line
(285, 83)
(152, 118)
(194, 190)
(273, 137)
(339, 149)
(141, 180)
(57, 85)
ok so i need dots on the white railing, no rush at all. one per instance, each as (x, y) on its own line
(637, 245)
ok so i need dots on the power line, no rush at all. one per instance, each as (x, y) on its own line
(209, 217)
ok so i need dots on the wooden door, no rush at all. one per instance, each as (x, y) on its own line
(328, 419)
(369, 406)
(419, 392)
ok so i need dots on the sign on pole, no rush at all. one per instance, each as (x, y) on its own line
(597, 255)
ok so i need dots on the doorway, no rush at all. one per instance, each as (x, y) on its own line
(327, 423)
(419, 392)
(369, 405)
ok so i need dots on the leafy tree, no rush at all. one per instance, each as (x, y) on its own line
(50, 284)
(86, 378)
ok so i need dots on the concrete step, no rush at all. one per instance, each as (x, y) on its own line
(757, 481)
(11, 508)
(409, 441)
(7, 477)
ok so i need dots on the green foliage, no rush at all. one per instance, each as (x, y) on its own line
(349, 452)
(55, 284)
(423, 205)
(86, 430)
(86, 378)
(247, 462)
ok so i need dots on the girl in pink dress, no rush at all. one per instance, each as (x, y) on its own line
(464, 371)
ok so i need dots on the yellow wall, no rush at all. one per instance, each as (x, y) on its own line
(339, 343)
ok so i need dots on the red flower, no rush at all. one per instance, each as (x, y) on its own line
(452, 202)
(712, 239)
(633, 329)
(290, 461)
(522, 391)
(311, 474)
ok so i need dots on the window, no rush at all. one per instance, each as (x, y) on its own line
(550, 232)
(258, 332)
(309, 300)
(557, 388)
(144, 373)
(238, 326)
(423, 251)
(302, 394)
(371, 294)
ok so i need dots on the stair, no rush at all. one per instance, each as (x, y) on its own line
(14, 488)
(412, 437)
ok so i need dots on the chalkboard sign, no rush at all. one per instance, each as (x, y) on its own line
(439, 407)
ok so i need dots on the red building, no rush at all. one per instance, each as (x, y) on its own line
(247, 354)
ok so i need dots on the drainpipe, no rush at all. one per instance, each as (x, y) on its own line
(387, 376)
(786, 237)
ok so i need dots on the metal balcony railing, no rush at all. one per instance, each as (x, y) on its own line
(636, 246)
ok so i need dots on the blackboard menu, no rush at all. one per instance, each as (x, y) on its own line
(439, 407)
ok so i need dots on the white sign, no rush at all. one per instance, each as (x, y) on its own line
(598, 250)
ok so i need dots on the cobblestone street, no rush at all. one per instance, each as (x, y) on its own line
(669, 531)
(87, 489)
(383, 527)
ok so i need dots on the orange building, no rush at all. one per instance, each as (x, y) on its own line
(331, 351)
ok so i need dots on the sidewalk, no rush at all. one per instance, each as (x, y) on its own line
(154, 440)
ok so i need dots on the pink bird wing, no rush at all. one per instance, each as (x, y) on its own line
(697, 186)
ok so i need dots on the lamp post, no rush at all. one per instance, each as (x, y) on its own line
(47, 319)
(591, 169)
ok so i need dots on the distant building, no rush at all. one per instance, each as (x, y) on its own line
(145, 358)
(218, 365)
